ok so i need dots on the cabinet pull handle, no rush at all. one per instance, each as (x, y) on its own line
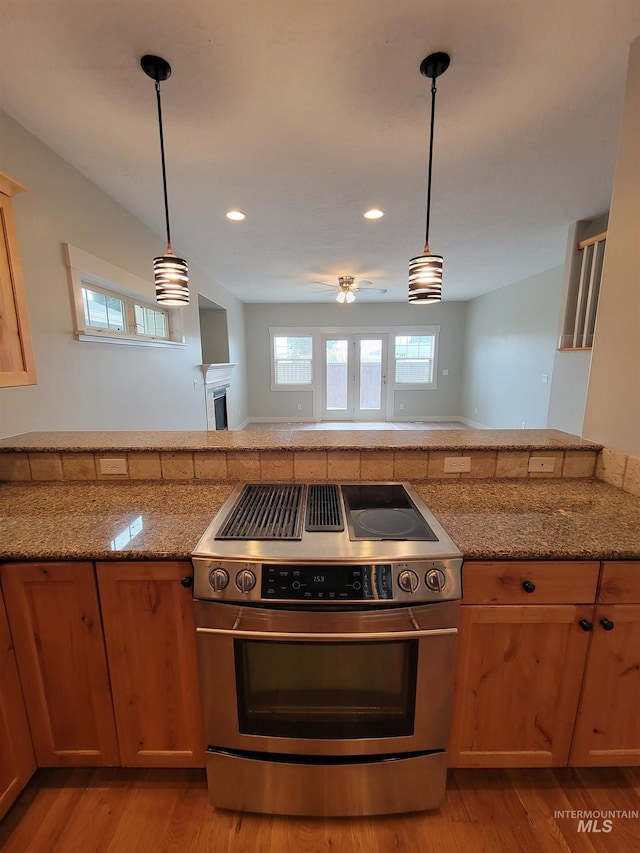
(586, 625)
(187, 582)
(607, 624)
(527, 586)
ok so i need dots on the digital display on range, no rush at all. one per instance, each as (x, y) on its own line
(340, 583)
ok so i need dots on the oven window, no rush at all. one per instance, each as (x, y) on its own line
(326, 690)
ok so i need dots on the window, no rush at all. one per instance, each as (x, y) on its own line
(109, 311)
(111, 305)
(292, 360)
(414, 359)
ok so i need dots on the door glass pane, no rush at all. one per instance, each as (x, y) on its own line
(336, 358)
(326, 690)
(370, 374)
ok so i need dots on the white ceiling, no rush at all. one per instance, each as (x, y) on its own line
(305, 113)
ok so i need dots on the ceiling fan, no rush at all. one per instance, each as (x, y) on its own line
(347, 288)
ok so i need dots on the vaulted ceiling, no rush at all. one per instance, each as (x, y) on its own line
(305, 113)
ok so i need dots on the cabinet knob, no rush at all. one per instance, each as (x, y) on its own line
(187, 582)
(607, 624)
(586, 625)
(528, 586)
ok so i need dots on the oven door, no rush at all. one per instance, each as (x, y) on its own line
(327, 683)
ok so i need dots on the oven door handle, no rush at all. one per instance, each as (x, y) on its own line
(335, 637)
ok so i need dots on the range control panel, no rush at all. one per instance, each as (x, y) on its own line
(412, 581)
(314, 583)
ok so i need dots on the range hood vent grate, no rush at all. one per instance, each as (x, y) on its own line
(323, 509)
(265, 511)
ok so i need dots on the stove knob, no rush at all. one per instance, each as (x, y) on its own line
(408, 581)
(218, 579)
(245, 580)
(435, 580)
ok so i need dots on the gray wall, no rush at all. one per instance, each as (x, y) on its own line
(98, 386)
(612, 414)
(509, 346)
(442, 402)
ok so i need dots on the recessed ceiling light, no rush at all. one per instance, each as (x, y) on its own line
(374, 213)
(236, 215)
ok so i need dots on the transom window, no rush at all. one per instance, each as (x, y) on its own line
(114, 306)
(113, 312)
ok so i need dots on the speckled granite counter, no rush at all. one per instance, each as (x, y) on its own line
(287, 439)
(555, 519)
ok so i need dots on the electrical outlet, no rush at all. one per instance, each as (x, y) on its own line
(113, 466)
(401, 407)
(457, 464)
(299, 407)
(541, 464)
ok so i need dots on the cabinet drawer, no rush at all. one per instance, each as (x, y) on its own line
(620, 583)
(548, 582)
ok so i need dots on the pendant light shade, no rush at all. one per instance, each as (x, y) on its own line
(172, 279)
(425, 277)
(425, 270)
(171, 273)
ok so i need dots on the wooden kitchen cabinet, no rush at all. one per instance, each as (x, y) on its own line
(150, 636)
(17, 762)
(55, 623)
(17, 364)
(608, 721)
(521, 660)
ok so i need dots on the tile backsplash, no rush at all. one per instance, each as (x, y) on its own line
(319, 465)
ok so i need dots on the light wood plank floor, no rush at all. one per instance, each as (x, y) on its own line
(150, 811)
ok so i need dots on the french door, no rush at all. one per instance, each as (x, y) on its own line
(354, 377)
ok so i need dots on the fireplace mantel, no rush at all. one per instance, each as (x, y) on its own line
(217, 374)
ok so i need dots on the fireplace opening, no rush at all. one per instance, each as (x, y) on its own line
(220, 407)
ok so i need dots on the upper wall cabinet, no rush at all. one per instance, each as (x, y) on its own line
(17, 364)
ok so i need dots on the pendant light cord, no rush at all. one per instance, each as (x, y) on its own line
(433, 117)
(164, 171)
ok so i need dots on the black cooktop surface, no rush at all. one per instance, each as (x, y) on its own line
(379, 511)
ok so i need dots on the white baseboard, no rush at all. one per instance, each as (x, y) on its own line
(471, 424)
(278, 421)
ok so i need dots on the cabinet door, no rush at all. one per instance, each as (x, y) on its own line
(518, 678)
(150, 633)
(608, 723)
(57, 633)
(17, 763)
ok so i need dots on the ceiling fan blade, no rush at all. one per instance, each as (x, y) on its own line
(371, 289)
(326, 284)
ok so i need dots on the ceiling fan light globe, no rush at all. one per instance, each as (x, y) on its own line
(349, 296)
(341, 297)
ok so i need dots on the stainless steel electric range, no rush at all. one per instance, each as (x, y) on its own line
(326, 622)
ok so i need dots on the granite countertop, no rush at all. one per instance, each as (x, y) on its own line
(287, 439)
(487, 519)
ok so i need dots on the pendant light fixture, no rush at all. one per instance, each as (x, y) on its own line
(425, 271)
(171, 274)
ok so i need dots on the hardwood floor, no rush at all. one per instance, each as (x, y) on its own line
(148, 811)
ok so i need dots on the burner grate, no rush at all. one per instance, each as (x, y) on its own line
(323, 509)
(265, 511)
